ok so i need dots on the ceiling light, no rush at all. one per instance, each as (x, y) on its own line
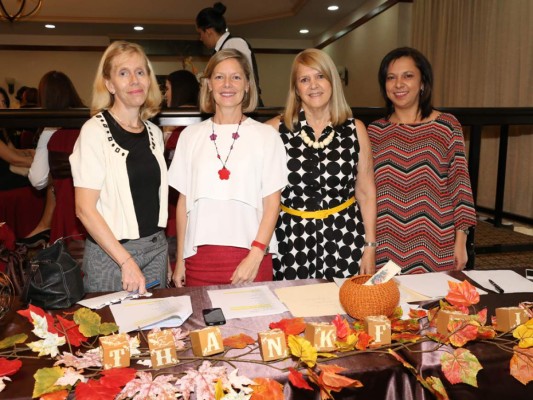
(333, 8)
(138, 28)
(20, 13)
(304, 31)
(50, 26)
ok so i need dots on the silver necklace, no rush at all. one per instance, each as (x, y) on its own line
(123, 123)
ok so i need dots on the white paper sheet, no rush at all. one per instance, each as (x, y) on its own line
(431, 284)
(98, 302)
(246, 302)
(146, 314)
(315, 300)
(509, 281)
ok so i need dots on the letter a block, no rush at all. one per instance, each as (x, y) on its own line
(115, 351)
(162, 349)
(321, 335)
(378, 326)
(273, 345)
(508, 318)
(444, 317)
(207, 341)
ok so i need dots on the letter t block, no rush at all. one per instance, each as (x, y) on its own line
(273, 345)
(115, 351)
(162, 349)
(207, 341)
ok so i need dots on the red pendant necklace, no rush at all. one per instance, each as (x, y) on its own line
(224, 173)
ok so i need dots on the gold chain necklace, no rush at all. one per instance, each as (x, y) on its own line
(123, 123)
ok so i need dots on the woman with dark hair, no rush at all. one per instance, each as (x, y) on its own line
(211, 25)
(182, 89)
(424, 199)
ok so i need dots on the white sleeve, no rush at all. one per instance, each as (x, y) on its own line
(242, 46)
(40, 169)
(87, 161)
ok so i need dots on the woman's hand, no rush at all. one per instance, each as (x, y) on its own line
(132, 277)
(248, 268)
(460, 256)
(368, 261)
(178, 277)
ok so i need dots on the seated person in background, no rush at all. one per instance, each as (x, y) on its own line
(120, 176)
(229, 171)
(30, 98)
(56, 92)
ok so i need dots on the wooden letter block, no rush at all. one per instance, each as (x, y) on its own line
(444, 317)
(162, 349)
(273, 345)
(378, 326)
(115, 351)
(207, 341)
(321, 335)
(508, 318)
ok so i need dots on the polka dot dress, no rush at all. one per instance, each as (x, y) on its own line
(320, 179)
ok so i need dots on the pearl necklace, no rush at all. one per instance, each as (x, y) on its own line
(316, 144)
(123, 123)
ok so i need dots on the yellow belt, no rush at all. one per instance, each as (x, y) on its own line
(320, 214)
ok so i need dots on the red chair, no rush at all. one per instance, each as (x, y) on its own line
(22, 208)
(64, 221)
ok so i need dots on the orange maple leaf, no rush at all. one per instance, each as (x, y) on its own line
(437, 337)
(239, 341)
(291, 326)
(522, 364)
(363, 340)
(59, 395)
(486, 332)
(405, 337)
(462, 332)
(417, 314)
(329, 381)
(267, 389)
(297, 379)
(403, 325)
(462, 294)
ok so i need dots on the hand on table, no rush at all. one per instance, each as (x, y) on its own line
(248, 268)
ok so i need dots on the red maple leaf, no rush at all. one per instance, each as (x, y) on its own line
(72, 331)
(405, 337)
(486, 332)
(95, 390)
(117, 377)
(481, 317)
(342, 326)
(405, 325)
(297, 379)
(462, 332)
(363, 340)
(9, 367)
(267, 389)
(40, 312)
(291, 326)
(437, 337)
(239, 341)
(417, 314)
(462, 294)
(460, 366)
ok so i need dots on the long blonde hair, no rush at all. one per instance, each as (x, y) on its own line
(249, 102)
(102, 99)
(338, 106)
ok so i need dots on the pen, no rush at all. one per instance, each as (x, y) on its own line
(498, 287)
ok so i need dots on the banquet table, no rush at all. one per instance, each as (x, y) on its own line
(382, 376)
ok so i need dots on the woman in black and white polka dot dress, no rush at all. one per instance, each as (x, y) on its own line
(327, 224)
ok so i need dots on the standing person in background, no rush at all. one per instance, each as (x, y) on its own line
(229, 171)
(425, 204)
(120, 176)
(214, 34)
(328, 210)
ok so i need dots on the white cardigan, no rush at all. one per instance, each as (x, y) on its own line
(99, 163)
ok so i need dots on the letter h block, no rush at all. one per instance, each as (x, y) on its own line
(273, 345)
(321, 335)
(379, 327)
(207, 341)
(162, 349)
(508, 318)
(444, 317)
(115, 351)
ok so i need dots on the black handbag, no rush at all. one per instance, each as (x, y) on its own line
(54, 280)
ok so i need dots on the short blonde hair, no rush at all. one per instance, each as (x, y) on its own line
(249, 102)
(102, 99)
(339, 109)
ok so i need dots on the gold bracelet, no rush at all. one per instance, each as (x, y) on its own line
(125, 261)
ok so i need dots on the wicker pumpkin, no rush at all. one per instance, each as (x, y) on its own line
(361, 301)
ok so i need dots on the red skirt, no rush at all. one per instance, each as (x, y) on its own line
(214, 265)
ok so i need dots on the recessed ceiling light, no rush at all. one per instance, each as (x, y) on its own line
(138, 28)
(333, 8)
(304, 31)
(50, 26)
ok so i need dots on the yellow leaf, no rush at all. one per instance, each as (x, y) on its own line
(13, 340)
(524, 332)
(107, 328)
(89, 322)
(45, 379)
(219, 389)
(349, 344)
(303, 349)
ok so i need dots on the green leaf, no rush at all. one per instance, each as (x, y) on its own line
(13, 340)
(89, 322)
(107, 328)
(460, 366)
(45, 379)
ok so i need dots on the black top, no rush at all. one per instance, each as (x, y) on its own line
(8, 179)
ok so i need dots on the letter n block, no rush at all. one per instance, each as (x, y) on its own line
(321, 335)
(379, 327)
(508, 318)
(273, 345)
(444, 317)
(162, 349)
(115, 351)
(207, 341)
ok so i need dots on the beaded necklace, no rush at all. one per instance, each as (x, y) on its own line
(317, 144)
(224, 173)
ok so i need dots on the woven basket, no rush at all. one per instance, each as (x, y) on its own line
(361, 301)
